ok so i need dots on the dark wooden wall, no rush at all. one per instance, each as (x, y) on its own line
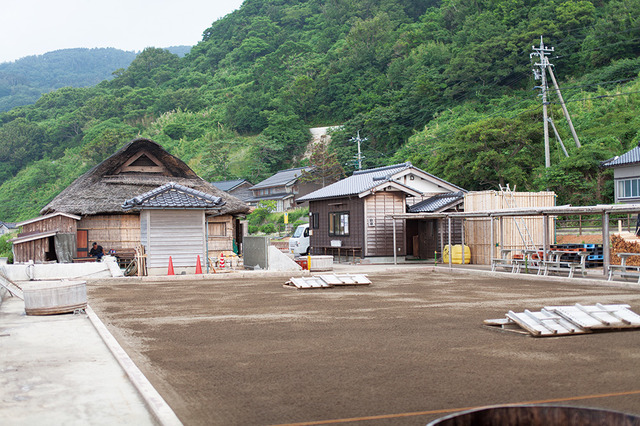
(320, 237)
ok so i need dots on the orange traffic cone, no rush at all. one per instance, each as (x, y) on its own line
(170, 272)
(221, 260)
(198, 266)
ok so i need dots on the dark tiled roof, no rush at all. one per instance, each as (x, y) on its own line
(9, 225)
(173, 195)
(281, 178)
(629, 157)
(437, 203)
(228, 185)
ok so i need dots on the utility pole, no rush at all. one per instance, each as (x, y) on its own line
(358, 140)
(564, 108)
(542, 52)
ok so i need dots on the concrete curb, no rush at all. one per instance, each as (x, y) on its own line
(601, 281)
(154, 401)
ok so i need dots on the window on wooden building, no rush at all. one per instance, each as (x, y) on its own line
(217, 229)
(339, 223)
(629, 188)
(315, 220)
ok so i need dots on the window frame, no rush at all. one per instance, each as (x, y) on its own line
(625, 188)
(341, 220)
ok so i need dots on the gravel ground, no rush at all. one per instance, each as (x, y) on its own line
(407, 349)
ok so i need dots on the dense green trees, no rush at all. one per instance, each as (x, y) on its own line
(445, 84)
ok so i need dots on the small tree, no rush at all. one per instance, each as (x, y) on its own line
(326, 167)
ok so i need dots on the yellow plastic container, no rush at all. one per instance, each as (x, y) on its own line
(456, 256)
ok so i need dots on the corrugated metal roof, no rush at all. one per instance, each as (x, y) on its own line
(173, 195)
(228, 185)
(360, 181)
(629, 157)
(282, 177)
(437, 203)
(363, 180)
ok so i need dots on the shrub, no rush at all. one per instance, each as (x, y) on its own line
(268, 228)
(253, 229)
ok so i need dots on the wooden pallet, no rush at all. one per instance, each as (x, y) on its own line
(567, 320)
(327, 281)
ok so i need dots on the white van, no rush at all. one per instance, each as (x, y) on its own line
(299, 241)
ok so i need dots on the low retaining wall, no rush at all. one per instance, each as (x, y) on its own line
(56, 271)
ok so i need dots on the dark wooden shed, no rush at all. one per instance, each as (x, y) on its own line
(49, 238)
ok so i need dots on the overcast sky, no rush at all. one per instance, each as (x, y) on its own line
(34, 27)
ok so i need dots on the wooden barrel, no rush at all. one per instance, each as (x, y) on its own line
(537, 415)
(54, 297)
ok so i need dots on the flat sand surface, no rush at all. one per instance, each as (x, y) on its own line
(405, 350)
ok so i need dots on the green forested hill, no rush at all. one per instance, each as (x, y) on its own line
(23, 81)
(445, 84)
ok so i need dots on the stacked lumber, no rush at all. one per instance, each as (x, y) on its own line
(620, 245)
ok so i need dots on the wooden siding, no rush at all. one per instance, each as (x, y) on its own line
(35, 250)
(219, 243)
(478, 230)
(379, 227)
(176, 233)
(42, 249)
(112, 231)
(320, 237)
(63, 224)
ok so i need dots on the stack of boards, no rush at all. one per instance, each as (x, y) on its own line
(327, 281)
(566, 320)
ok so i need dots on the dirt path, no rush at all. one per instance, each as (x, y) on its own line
(249, 352)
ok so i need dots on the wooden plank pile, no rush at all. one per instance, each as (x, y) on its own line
(566, 320)
(327, 281)
(12, 287)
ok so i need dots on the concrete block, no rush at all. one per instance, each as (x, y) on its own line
(278, 261)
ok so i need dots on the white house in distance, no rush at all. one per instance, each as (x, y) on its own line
(626, 175)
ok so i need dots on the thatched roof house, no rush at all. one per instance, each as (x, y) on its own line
(141, 195)
(138, 167)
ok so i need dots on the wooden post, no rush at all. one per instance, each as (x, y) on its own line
(580, 224)
(605, 244)
(502, 233)
(545, 236)
(441, 229)
(449, 220)
(462, 238)
(395, 251)
(491, 240)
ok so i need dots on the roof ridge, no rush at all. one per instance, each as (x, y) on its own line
(406, 165)
(142, 198)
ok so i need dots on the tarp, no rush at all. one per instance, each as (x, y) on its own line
(65, 245)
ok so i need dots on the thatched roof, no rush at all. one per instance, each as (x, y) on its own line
(138, 167)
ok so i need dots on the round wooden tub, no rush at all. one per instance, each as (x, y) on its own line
(54, 297)
(537, 415)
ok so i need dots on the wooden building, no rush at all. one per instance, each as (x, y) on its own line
(353, 214)
(142, 166)
(49, 238)
(514, 232)
(626, 175)
(285, 188)
(239, 188)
